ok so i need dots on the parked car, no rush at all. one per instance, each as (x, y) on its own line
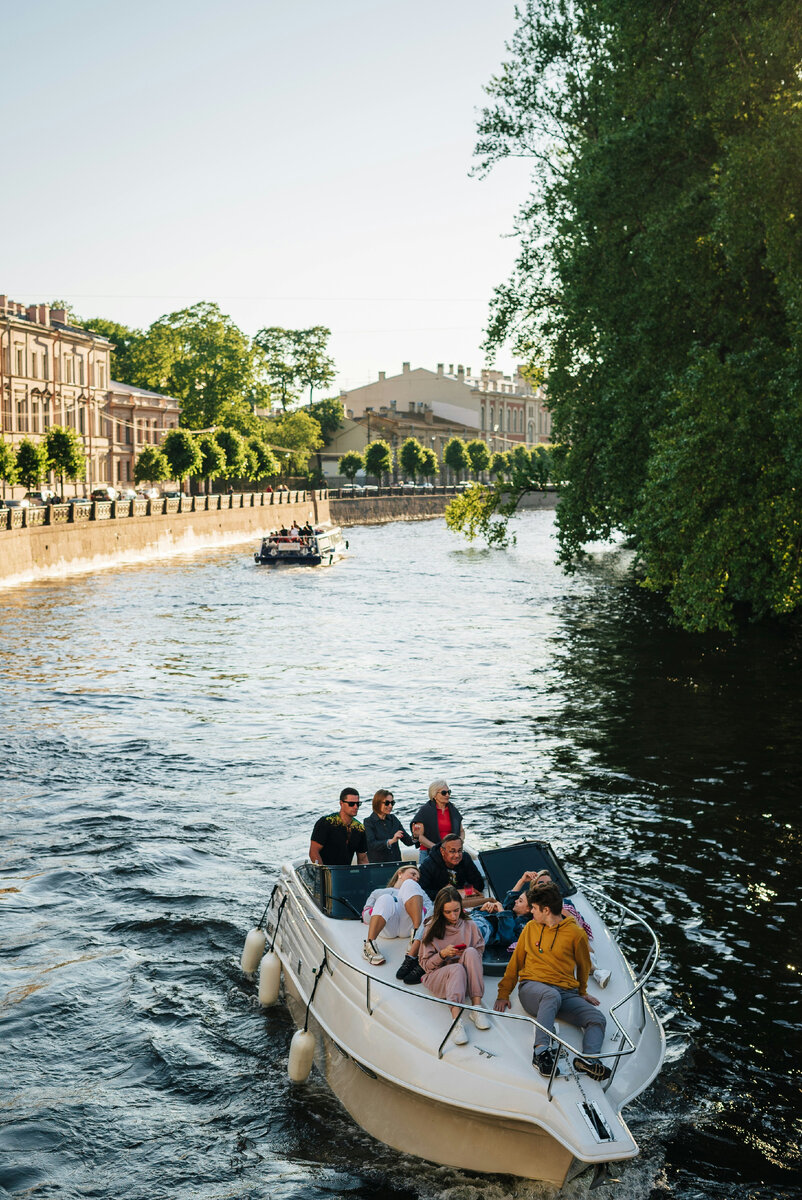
(16, 504)
(39, 499)
(128, 494)
(356, 488)
(103, 493)
(148, 493)
(172, 494)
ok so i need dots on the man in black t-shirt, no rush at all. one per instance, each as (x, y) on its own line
(337, 837)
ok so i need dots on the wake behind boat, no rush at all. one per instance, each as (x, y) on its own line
(388, 1053)
(310, 546)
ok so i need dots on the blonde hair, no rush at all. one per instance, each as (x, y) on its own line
(434, 788)
(393, 880)
(379, 799)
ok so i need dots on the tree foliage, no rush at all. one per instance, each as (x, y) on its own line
(410, 458)
(200, 357)
(455, 456)
(479, 456)
(329, 416)
(378, 458)
(297, 436)
(65, 453)
(151, 466)
(482, 511)
(429, 465)
(8, 464)
(31, 463)
(125, 342)
(182, 452)
(294, 359)
(233, 446)
(350, 463)
(212, 458)
(659, 283)
(264, 462)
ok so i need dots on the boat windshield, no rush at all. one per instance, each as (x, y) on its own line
(505, 866)
(341, 892)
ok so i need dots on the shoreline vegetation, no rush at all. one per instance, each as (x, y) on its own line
(658, 287)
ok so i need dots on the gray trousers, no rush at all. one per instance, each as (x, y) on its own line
(546, 1003)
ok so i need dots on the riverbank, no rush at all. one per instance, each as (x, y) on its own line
(43, 543)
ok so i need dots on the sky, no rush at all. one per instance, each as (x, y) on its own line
(299, 163)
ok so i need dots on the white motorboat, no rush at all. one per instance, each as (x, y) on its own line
(387, 1052)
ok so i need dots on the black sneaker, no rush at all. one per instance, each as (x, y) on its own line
(414, 975)
(544, 1062)
(592, 1067)
(406, 966)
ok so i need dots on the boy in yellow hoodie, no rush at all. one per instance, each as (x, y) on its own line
(551, 964)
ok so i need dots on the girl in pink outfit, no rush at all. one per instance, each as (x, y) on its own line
(451, 956)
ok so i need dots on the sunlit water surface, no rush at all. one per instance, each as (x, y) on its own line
(169, 734)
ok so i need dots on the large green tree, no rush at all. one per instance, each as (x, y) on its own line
(293, 437)
(659, 283)
(125, 340)
(199, 356)
(65, 453)
(294, 359)
(351, 462)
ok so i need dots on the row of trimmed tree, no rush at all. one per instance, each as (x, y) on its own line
(61, 451)
(416, 461)
(224, 454)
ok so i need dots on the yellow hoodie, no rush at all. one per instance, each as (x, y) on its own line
(558, 955)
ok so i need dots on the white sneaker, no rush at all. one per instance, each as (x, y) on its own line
(479, 1018)
(459, 1034)
(371, 952)
(602, 977)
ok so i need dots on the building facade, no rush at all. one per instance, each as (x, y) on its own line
(503, 410)
(54, 373)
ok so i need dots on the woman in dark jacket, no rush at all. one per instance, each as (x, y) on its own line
(384, 830)
(438, 817)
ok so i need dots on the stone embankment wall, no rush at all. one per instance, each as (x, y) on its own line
(99, 536)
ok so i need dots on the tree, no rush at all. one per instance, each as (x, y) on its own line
(455, 456)
(65, 454)
(499, 463)
(378, 459)
(182, 452)
(125, 342)
(329, 416)
(212, 458)
(659, 285)
(233, 446)
(200, 357)
(31, 464)
(479, 456)
(350, 463)
(296, 433)
(265, 463)
(483, 511)
(429, 464)
(315, 368)
(151, 466)
(410, 458)
(8, 465)
(293, 359)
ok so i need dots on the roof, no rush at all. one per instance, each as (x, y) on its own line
(138, 391)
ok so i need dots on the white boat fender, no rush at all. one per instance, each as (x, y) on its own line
(302, 1053)
(253, 950)
(269, 979)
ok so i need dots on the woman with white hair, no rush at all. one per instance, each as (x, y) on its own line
(437, 818)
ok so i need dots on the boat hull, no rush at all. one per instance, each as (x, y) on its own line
(407, 1121)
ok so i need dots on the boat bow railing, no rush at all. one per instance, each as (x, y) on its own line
(628, 1046)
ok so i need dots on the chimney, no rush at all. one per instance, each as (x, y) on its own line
(440, 367)
(31, 312)
(451, 368)
(59, 314)
(469, 372)
(461, 373)
(44, 313)
(405, 368)
(381, 376)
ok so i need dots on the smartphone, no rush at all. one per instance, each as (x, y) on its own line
(461, 946)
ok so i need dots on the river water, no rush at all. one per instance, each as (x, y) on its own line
(170, 732)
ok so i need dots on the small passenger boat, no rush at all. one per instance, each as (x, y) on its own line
(323, 546)
(387, 1049)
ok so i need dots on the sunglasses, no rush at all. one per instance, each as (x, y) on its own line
(352, 803)
(445, 791)
(388, 803)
